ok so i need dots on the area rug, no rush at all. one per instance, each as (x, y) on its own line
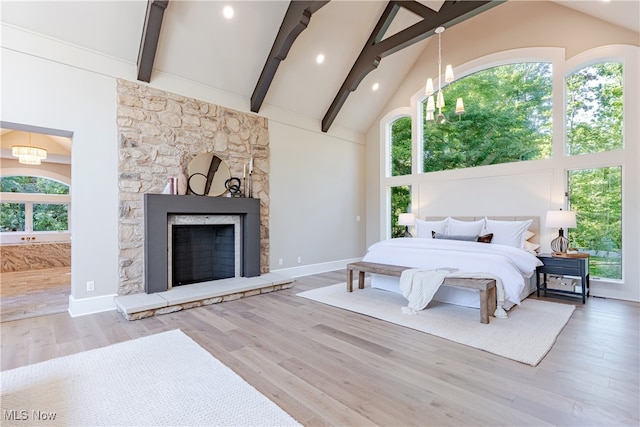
(165, 379)
(525, 336)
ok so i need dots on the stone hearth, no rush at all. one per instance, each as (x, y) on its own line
(141, 305)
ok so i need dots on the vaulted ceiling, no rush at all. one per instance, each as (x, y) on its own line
(195, 42)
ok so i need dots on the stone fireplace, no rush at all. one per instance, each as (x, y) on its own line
(224, 231)
(159, 134)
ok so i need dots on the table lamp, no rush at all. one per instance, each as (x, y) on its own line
(560, 219)
(406, 219)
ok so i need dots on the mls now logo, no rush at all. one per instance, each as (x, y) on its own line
(23, 415)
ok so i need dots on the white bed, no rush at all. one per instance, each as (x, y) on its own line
(509, 258)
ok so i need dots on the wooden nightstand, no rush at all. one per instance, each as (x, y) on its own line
(571, 265)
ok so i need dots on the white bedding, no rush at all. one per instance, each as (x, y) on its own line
(511, 266)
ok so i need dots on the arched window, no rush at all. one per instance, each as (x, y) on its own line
(594, 109)
(400, 147)
(507, 119)
(33, 204)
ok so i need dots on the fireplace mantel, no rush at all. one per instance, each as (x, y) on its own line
(157, 207)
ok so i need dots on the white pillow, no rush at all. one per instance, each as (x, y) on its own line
(531, 247)
(424, 228)
(509, 233)
(464, 228)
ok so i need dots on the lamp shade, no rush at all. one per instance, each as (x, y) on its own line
(561, 219)
(406, 219)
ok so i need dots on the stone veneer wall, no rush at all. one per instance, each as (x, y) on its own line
(159, 133)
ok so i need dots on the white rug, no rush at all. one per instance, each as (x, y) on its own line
(165, 379)
(526, 336)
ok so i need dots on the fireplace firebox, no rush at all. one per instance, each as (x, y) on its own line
(200, 253)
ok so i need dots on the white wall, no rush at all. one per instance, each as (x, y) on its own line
(528, 188)
(316, 181)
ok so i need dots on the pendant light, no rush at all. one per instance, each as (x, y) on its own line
(438, 101)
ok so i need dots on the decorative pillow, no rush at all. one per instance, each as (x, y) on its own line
(424, 228)
(531, 247)
(528, 234)
(509, 233)
(456, 227)
(466, 238)
(485, 238)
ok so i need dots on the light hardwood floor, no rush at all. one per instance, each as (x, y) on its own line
(327, 366)
(32, 293)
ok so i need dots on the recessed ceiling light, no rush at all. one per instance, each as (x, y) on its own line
(375, 86)
(228, 12)
(320, 58)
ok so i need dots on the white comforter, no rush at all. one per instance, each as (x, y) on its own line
(507, 264)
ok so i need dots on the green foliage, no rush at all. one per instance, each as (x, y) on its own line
(507, 119)
(400, 203)
(401, 147)
(11, 217)
(31, 184)
(596, 196)
(50, 217)
(46, 216)
(594, 109)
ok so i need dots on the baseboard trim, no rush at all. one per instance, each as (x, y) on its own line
(84, 306)
(316, 268)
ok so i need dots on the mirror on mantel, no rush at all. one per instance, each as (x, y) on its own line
(208, 175)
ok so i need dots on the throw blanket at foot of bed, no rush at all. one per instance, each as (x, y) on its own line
(418, 287)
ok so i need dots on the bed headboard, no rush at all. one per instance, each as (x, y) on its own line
(534, 228)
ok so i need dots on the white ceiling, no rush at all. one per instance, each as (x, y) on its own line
(198, 44)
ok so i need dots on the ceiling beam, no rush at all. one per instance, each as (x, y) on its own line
(452, 12)
(295, 21)
(150, 36)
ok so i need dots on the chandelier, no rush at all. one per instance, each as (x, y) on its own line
(438, 102)
(29, 155)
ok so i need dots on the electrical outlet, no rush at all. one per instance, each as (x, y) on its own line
(91, 286)
(299, 259)
(280, 261)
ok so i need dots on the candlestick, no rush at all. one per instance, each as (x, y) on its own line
(244, 171)
(251, 165)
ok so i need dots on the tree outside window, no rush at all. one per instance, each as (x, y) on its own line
(29, 215)
(594, 109)
(401, 147)
(400, 203)
(507, 119)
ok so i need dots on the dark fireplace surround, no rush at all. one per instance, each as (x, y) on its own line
(158, 207)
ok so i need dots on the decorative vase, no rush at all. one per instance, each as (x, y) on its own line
(182, 183)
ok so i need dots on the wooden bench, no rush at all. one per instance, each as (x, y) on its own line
(487, 287)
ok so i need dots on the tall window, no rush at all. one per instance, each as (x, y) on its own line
(400, 203)
(401, 147)
(507, 119)
(38, 204)
(596, 197)
(594, 109)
